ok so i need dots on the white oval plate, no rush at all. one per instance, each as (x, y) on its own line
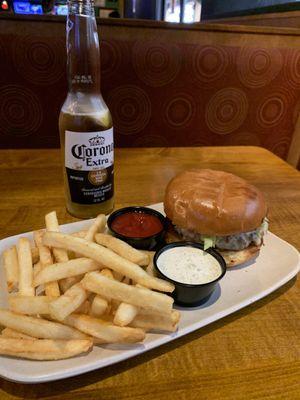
(278, 262)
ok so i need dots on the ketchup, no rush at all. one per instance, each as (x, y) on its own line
(137, 224)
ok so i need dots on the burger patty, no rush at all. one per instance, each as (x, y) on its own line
(231, 242)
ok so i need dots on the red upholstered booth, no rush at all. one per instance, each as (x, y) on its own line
(165, 85)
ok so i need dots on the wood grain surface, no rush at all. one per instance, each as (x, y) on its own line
(252, 354)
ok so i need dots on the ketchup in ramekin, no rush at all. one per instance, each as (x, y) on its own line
(137, 224)
(141, 227)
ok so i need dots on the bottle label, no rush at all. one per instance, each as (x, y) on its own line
(89, 162)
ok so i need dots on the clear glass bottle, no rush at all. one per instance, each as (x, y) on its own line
(85, 123)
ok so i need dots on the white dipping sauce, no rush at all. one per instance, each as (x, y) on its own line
(189, 265)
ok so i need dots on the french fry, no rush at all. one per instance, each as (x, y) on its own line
(141, 286)
(60, 255)
(51, 288)
(150, 254)
(80, 234)
(51, 221)
(37, 268)
(35, 255)
(70, 268)
(123, 249)
(107, 272)
(104, 330)
(10, 333)
(99, 306)
(68, 302)
(150, 267)
(108, 259)
(156, 321)
(67, 283)
(97, 226)
(125, 314)
(11, 267)
(25, 267)
(144, 298)
(30, 305)
(44, 251)
(117, 276)
(44, 349)
(84, 308)
(38, 327)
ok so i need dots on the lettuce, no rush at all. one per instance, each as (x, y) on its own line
(209, 241)
(265, 225)
(263, 229)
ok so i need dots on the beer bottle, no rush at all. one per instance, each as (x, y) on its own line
(85, 123)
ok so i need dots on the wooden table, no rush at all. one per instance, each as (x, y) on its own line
(252, 354)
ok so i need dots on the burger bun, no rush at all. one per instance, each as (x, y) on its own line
(214, 203)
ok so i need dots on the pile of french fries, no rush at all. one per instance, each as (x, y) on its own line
(70, 292)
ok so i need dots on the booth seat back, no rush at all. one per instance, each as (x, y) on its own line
(165, 86)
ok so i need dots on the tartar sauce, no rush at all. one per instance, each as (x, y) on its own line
(189, 265)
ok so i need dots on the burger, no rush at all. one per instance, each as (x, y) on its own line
(218, 209)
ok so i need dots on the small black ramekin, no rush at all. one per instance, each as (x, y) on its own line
(143, 243)
(185, 294)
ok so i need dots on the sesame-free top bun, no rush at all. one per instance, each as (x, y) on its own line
(213, 203)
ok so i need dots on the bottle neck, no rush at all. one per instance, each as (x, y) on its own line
(81, 7)
(83, 54)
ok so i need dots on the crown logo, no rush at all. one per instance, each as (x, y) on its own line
(96, 141)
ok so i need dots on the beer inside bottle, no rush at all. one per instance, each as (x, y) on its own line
(85, 123)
